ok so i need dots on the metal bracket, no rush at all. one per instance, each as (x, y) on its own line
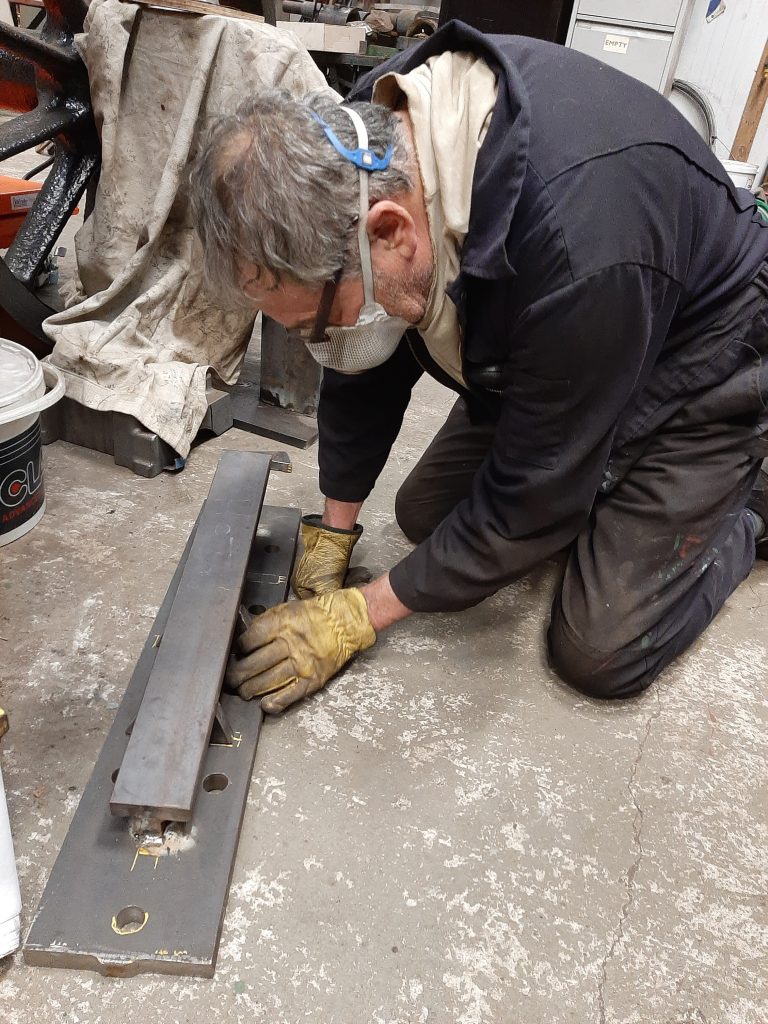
(120, 909)
(283, 404)
(250, 413)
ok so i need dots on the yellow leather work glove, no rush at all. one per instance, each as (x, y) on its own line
(323, 566)
(292, 650)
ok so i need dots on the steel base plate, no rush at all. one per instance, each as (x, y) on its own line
(110, 908)
(283, 425)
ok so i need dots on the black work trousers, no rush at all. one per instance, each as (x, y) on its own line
(664, 547)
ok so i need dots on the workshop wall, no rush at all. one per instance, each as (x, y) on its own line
(720, 59)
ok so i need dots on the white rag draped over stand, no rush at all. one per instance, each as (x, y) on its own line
(140, 332)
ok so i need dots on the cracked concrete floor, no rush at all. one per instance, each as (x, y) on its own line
(446, 835)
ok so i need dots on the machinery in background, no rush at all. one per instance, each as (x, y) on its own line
(43, 78)
(326, 13)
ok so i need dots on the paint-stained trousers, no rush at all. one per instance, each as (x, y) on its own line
(664, 547)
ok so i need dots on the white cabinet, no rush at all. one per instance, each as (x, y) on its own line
(639, 37)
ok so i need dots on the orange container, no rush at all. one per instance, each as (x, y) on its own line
(8, 228)
(16, 198)
(17, 195)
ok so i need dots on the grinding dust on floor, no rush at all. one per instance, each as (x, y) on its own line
(447, 834)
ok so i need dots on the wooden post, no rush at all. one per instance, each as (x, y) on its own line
(753, 111)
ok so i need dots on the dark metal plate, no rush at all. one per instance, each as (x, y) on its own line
(110, 909)
(283, 425)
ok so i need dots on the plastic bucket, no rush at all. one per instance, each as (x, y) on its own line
(10, 899)
(22, 398)
(741, 174)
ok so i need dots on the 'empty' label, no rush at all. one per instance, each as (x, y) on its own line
(616, 44)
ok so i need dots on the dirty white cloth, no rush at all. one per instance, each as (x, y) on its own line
(141, 331)
(450, 101)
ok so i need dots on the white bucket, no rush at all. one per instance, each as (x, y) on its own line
(741, 174)
(10, 900)
(22, 398)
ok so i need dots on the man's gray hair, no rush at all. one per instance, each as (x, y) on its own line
(269, 188)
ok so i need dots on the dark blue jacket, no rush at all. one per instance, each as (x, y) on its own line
(603, 236)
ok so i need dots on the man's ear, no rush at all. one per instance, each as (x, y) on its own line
(391, 227)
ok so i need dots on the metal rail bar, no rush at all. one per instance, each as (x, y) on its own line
(160, 774)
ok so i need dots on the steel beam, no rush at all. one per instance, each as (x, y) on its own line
(160, 773)
(112, 908)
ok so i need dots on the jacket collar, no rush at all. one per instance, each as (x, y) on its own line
(501, 163)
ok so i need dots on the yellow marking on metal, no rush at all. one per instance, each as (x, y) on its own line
(130, 927)
(237, 739)
(142, 851)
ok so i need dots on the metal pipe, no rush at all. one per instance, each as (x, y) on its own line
(702, 103)
(327, 14)
(40, 167)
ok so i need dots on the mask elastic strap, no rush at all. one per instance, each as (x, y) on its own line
(366, 265)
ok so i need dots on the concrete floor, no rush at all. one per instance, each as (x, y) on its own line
(446, 834)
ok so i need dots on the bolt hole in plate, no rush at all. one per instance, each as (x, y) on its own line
(115, 773)
(129, 920)
(215, 783)
(271, 549)
(256, 609)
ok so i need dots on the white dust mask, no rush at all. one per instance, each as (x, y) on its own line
(376, 335)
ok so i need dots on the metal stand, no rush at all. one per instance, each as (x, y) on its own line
(121, 908)
(123, 436)
(283, 405)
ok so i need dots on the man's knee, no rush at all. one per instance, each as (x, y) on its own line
(413, 513)
(605, 675)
